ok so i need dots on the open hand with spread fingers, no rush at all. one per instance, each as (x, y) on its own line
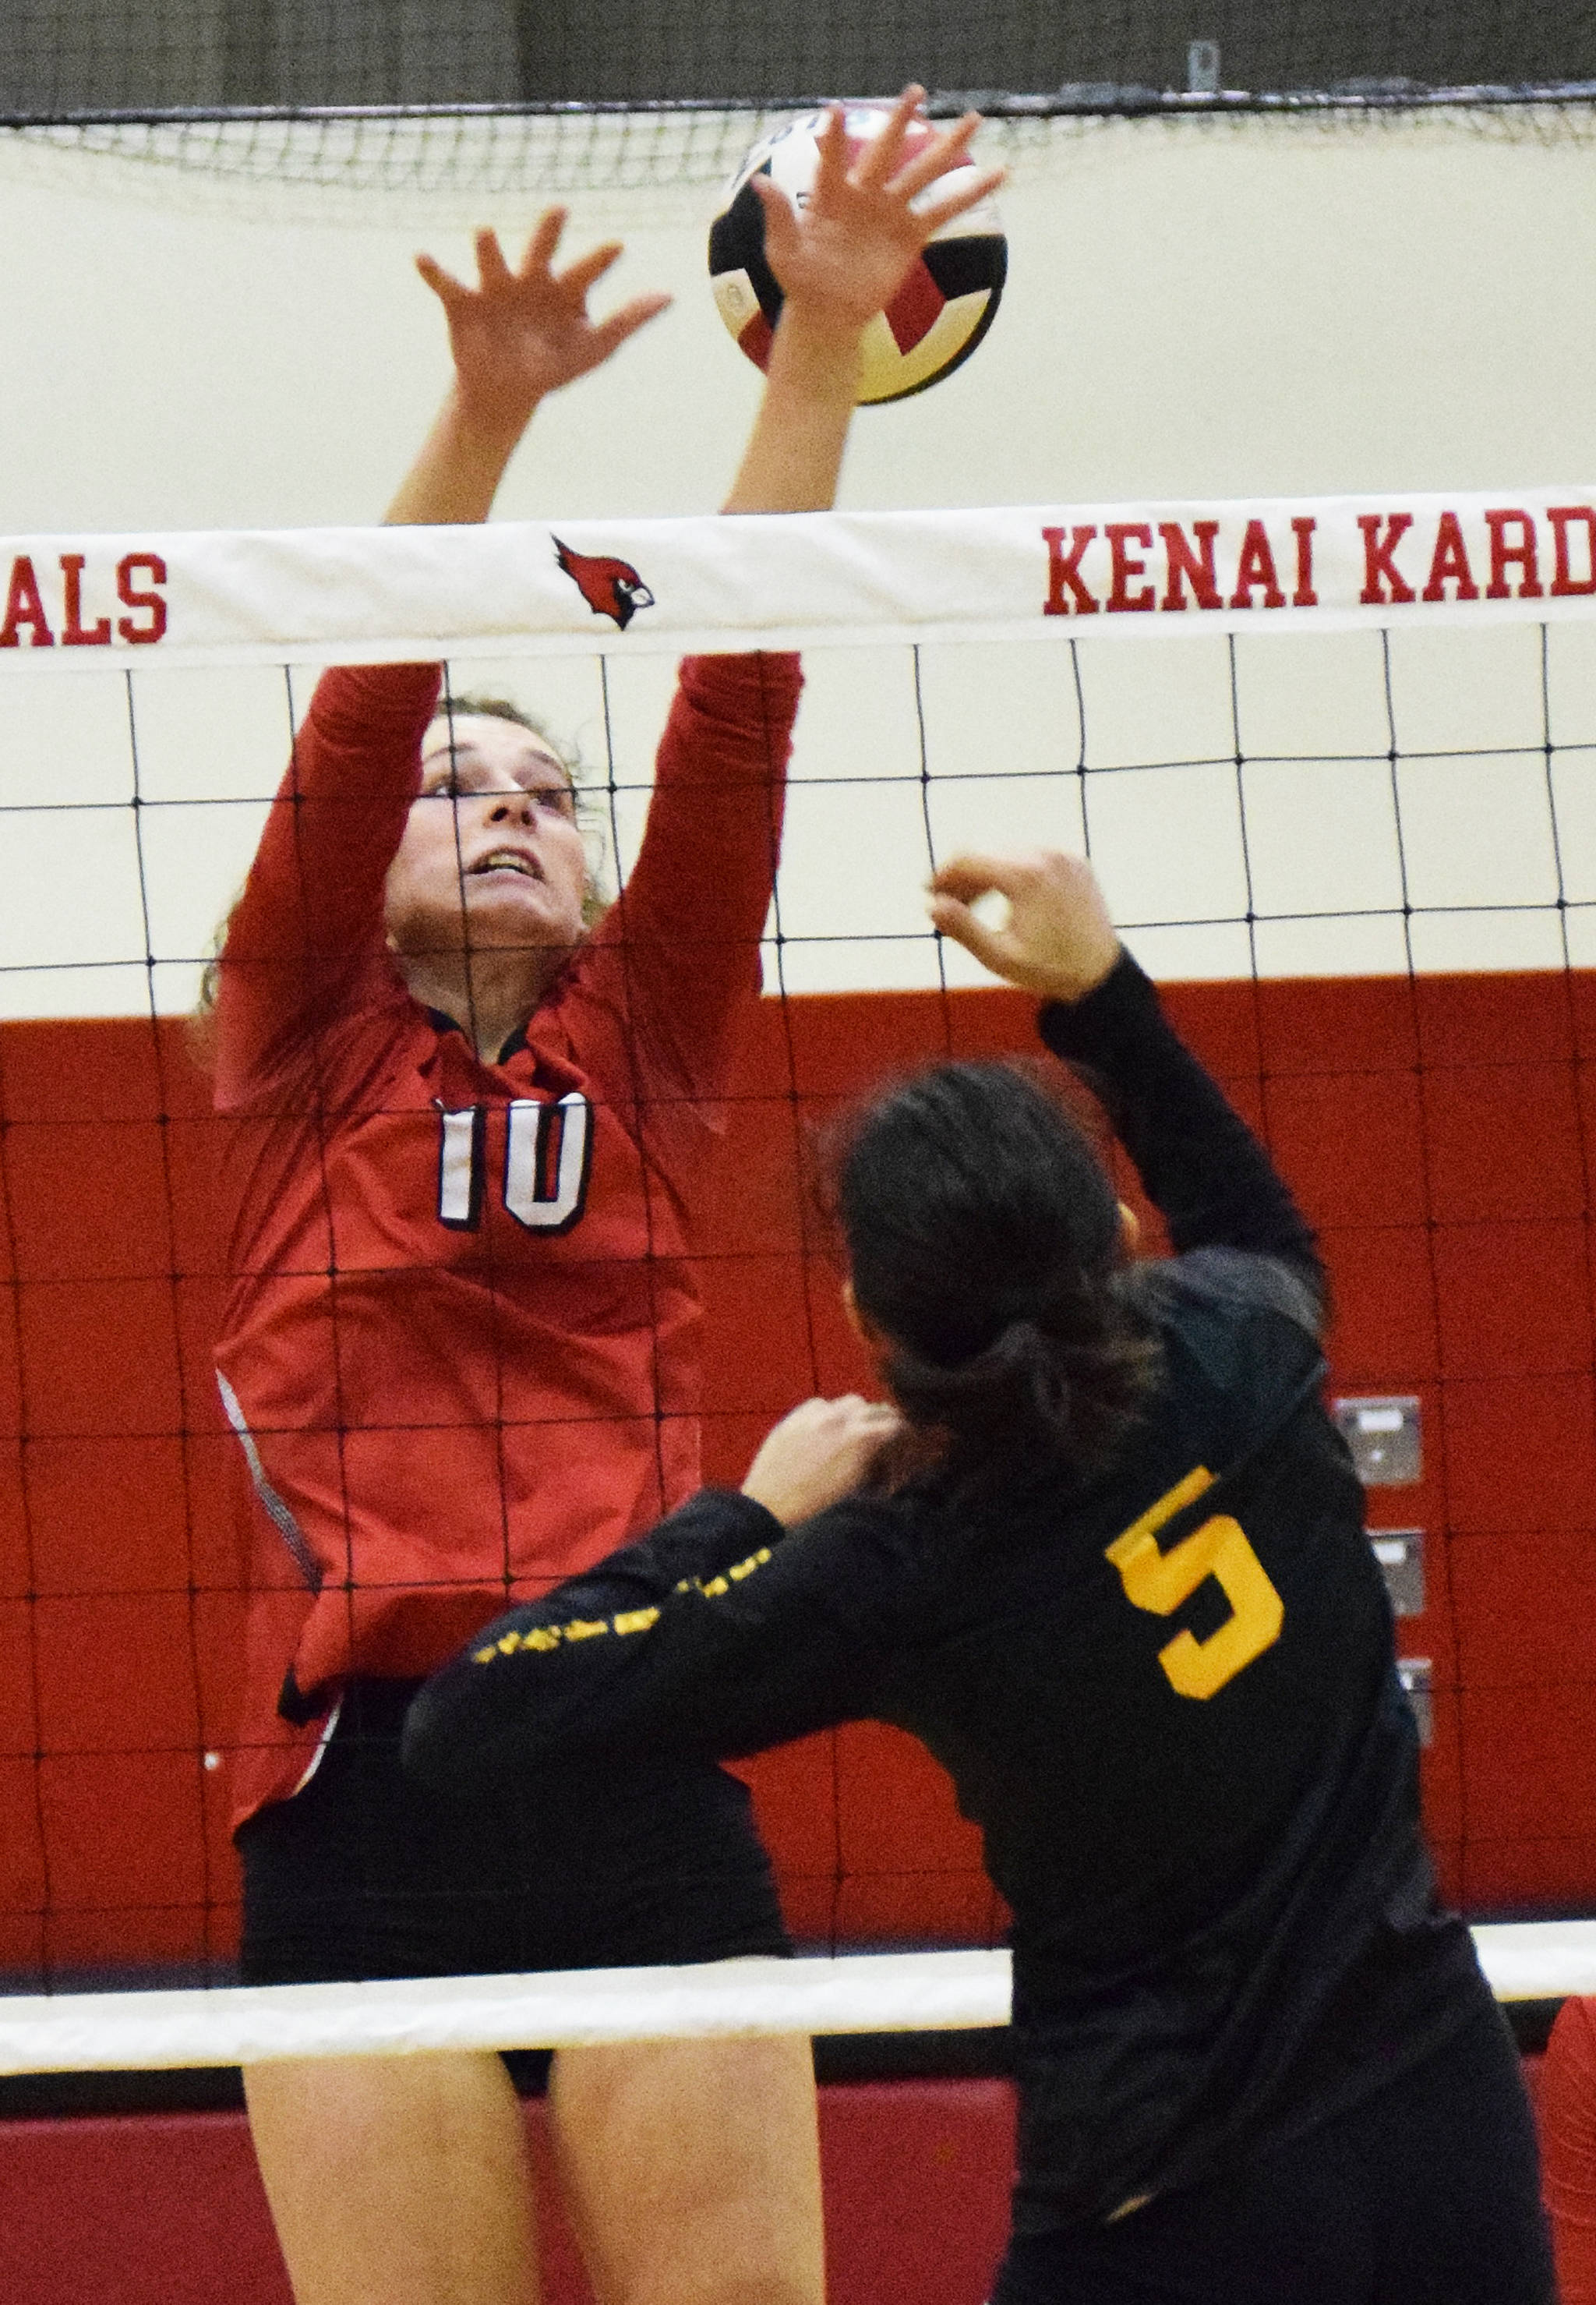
(524, 330)
(844, 255)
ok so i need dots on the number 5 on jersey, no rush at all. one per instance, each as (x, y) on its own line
(548, 1150)
(1159, 1582)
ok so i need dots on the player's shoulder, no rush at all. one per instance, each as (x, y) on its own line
(1220, 1288)
(1239, 1330)
(335, 1058)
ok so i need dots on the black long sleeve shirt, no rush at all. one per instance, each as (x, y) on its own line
(1169, 1700)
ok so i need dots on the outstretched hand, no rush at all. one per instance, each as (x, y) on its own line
(1057, 940)
(525, 331)
(818, 1454)
(844, 256)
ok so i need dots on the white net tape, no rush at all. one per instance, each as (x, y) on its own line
(1368, 752)
(871, 1993)
(639, 587)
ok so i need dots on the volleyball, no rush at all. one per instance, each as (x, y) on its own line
(938, 316)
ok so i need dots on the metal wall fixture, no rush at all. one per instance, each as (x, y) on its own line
(1384, 1436)
(1400, 1552)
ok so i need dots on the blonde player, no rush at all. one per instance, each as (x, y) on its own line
(460, 1346)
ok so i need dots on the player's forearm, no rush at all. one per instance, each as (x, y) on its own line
(715, 1636)
(313, 904)
(339, 813)
(457, 472)
(576, 1668)
(1202, 1167)
(793, 458)
(695, 904)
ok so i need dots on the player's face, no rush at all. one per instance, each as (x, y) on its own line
(492, 856)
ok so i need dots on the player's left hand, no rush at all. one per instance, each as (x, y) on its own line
(525, 330)
(820, 1454)
(844, 257)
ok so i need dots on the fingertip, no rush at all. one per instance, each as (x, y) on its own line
(589, 269)
(958, 872)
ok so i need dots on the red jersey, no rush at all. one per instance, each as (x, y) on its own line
(461, 1344)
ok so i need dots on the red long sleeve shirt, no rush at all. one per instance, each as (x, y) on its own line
(461, 1343)
(1568, 2146)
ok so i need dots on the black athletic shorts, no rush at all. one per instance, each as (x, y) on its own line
(1426, 2194)
(365, 1873)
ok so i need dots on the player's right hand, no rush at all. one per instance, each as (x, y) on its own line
(868, 216)
(1057, 940)
(525, 331)
(818, 1454)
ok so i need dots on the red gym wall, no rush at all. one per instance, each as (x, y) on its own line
(1438, 1132)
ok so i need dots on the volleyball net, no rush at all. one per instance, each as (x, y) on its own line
(496, 98)
(1336, 764)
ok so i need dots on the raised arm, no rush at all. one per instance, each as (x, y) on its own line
(312, 914)
(310, 918)
(1202, 1168)
(518, 335)
(694, 909)
(838, 264)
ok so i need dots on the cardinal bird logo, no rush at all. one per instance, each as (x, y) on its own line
(611, 588)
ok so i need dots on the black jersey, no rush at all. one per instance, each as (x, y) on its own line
(1168, 1698)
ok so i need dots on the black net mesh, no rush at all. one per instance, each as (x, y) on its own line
(1367, 863)
(495, 100)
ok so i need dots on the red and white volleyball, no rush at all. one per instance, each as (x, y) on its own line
(943, 309)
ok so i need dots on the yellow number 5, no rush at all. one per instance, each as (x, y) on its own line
(1160, 1582)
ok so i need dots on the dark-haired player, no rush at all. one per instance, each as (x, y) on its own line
(460, 1351)
(1126, 1599)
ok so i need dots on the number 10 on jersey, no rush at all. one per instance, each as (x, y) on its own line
(547, 1151)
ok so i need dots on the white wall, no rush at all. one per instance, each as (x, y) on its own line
(1192, 311)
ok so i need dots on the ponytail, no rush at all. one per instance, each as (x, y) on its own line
(1028, 1389)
